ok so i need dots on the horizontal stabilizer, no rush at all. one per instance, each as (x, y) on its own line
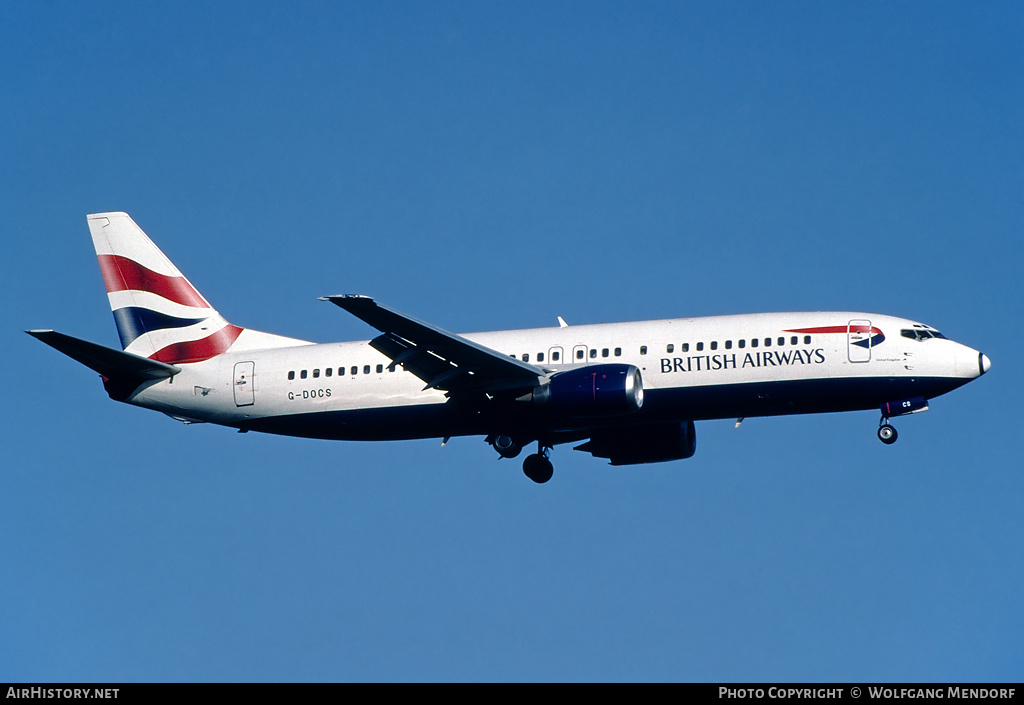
(112, 364)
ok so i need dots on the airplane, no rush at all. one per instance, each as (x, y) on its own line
(627, 392)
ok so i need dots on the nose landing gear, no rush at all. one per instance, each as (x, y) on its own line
(886, 433)
(915, 405)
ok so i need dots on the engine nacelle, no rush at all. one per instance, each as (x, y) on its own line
(906, 406)
(595, 390)
(633, 445)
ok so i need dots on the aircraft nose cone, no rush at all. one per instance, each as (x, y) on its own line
(983, 363)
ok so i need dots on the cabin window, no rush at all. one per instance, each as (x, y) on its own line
(618, 352)
(316, 373)
(302, 374)
(555, 356)
(593, 353)
(579, 354)
(354, 370)
(767, 342)
(714, 345)
(540, 357)
(781, 340)
(807, 340)
(366, 369)
(794, 340)
(328, 372)
(643, 349)
(754, 342)
(380, 368)
(700, 346)
(670, 348)
(291, 374)
(743, 344)
(728, 345)
(685, 347)
(526, 357)
(605, 352)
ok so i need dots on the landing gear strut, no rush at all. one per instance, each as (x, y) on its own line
(537, 467)
(886, 433)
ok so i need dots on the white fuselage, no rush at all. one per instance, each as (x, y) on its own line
(692, 368)
(630, 391)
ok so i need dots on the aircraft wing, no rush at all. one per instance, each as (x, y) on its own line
(443, 360)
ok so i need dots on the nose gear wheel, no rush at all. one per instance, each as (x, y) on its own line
(886, 433)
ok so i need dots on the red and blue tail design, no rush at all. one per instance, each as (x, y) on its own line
(158, 313)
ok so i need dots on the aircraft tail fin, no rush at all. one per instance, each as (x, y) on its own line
(158, 313)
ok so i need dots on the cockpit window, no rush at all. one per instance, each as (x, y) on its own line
(921, 333)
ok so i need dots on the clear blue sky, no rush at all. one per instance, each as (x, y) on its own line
(495, 165)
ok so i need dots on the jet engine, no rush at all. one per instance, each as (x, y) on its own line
(595, 390)
(654, 443)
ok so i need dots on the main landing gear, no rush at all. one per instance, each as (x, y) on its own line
(537, 467)
(886, 433)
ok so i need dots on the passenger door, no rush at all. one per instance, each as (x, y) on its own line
(858, 341)
(244, 372)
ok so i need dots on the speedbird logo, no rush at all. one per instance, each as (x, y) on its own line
(877, 337)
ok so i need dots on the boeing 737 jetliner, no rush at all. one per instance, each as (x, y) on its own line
(629, 392)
